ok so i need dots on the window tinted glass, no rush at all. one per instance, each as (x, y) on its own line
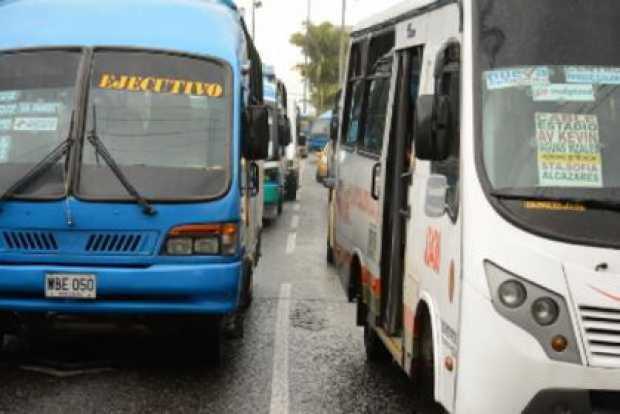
(37, 92)
(376, 115)
(355, 113)
(158, 115)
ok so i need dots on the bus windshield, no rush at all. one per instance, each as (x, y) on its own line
(37, 93)
(166, 122)
(550, 82)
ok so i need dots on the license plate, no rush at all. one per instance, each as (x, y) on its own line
(71, 286)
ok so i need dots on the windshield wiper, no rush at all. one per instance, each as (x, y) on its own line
(100, 148)
(43, 166)
(533, 195)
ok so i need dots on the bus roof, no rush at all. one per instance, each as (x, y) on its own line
(204, 27)
(401, 11)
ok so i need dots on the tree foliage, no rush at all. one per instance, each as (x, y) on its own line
(322, 46)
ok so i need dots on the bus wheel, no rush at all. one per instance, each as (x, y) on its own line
(280, 207)
(375, 349)
(424, 369)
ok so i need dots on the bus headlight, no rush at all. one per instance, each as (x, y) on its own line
(545, 311)
(203, 240)
(512, 293)
(540, 312)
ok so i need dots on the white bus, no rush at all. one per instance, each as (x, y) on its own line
(476, 200)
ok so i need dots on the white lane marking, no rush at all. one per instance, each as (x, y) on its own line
(279, 377)
(297, 207)
(291, 242)
(295, 222)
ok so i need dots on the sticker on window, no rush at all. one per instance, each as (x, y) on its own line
(569, 151)
(39, 107)
(151, 84)
(6, 124)
(563, 92)
(35, 124)
(5, 148)
(511, 78)
(596, 76)
(8, 109)
(9, 96)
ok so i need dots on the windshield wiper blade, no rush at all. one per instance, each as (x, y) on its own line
(96, 142)
(42, 166)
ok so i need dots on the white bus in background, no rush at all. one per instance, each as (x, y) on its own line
(476, 200)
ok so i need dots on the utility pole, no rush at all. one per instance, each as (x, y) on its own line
(256, 4)
(342, 39)
(307, 59)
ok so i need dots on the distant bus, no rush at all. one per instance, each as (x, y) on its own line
(476, 204)
(320, 132)
(127, 163)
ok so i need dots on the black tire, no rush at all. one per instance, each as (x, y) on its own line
(375, 349)
(424, 370)
(280, 206)
(291, 188)
(247, 294)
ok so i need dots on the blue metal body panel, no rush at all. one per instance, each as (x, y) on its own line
(165, 284)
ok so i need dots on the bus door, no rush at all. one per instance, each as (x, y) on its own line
(398, 172)
(359, 164)
(433, 259)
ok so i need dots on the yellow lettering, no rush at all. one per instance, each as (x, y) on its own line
(145, 84)
(200, 90)
(134, 84)
(159, 84)
(214, 90)
(176, 86)
(189, 85)
(106, 81)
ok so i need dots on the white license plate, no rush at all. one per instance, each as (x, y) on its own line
(73, 286)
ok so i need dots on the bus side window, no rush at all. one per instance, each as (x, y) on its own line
(354, 97)
(448, 82)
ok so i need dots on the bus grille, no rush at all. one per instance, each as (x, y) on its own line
(602, 332)
(30, 241)
(113, 243)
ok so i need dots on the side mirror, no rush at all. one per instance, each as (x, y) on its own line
(334, 126)
(256, 142)
(302, 139)
(254, 179)
(284, 131)
(436, 191)
(434, 126)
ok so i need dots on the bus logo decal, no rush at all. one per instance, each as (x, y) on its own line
(111, 81)
(432, 253)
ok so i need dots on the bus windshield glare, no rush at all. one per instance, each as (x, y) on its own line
(37, 93)
(166, 122)
(550, 99)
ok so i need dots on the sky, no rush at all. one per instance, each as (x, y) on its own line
(277, 20)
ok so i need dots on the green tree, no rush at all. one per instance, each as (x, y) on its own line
(322, 46)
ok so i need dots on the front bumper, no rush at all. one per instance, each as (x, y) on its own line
(209, 289)
(574, 401)
(503, 369)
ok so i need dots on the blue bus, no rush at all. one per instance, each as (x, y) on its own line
(128, 162)
(320, 132)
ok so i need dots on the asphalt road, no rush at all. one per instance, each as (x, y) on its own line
(300, 353)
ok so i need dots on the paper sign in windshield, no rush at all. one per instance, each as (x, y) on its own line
(9, 96)
(563, 92)
(35, 124)
(596, 76)
(5, 148)
(511, 78)
(569, 150)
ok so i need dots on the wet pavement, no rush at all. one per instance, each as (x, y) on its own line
(301, 351)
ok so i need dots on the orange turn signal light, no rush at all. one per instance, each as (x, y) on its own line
(197, 230)
(559, 343)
